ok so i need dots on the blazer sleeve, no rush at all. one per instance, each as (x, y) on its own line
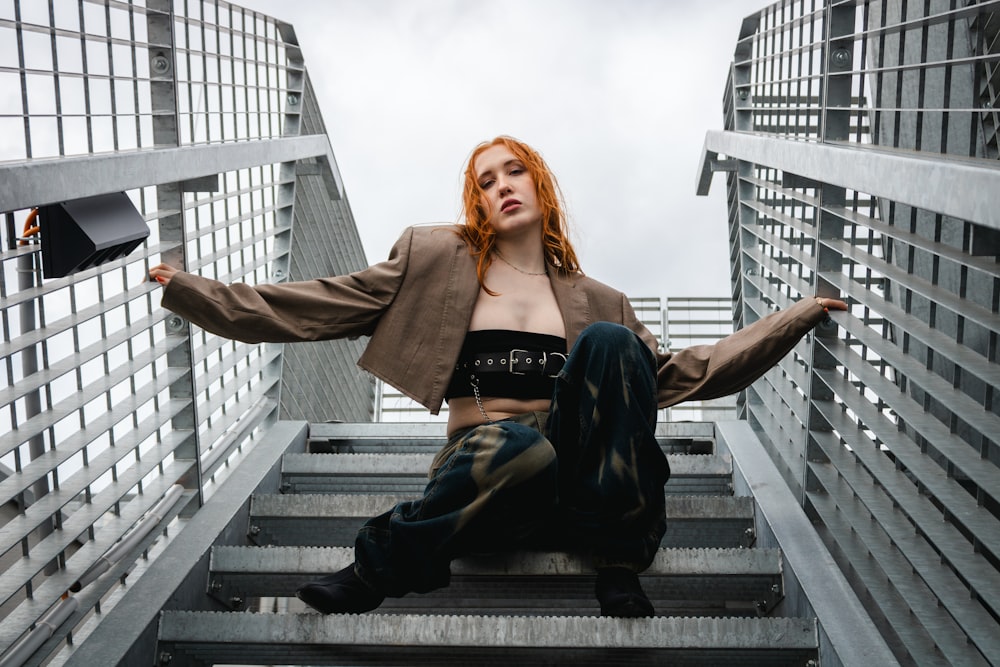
(702, 372)
(311, 310)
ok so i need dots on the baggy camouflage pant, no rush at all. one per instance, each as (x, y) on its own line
(587, 475)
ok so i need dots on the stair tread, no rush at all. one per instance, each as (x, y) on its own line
(406, 473)
(399, 639)
(438, 430)
(332, 505)
(681, 465)
(428, 437)
(669, 562)
(681, 582)
(333, 519)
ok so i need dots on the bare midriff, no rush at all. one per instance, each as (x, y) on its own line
(463, 411)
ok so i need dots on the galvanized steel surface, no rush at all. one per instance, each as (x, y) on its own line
(861, 145)
(884, 427)
(178, 577)
(334, 519)
(679, 581)
(394, 640)
(668, 562)
(495, 631)
(825, 590)
(407, 473)
(194, 110)
(36, 182)
(418, 464)
(936, 184)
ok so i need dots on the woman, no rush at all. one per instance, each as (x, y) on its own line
(551, 380)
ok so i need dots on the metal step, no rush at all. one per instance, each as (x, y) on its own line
(407, 473)
(680, 582)
(427, 438)
(333, 520)
(380, 639)
(707, 586)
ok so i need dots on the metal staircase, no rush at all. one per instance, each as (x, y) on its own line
(715, 592)
(137, 446)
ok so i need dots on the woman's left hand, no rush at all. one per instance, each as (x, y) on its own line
(826, 303)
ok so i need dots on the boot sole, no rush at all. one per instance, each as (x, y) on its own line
(629, 609)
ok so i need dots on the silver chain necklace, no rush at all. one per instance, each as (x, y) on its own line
(527, 273)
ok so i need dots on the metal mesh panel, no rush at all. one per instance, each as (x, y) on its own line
(986, 31)
(872, 123)
(231, 74)
(73, 99)
(109, 402)
(698, 321)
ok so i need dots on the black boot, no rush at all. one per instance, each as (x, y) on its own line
(340, 593)
(620, 594)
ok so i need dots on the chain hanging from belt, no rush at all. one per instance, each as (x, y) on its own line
(474, 381)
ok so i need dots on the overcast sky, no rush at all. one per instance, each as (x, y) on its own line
(616, 95)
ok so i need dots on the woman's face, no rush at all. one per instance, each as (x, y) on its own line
(508, 192)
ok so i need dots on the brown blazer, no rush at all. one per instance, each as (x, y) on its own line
(416, 306)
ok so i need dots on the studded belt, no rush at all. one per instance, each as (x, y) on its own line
(517, 362)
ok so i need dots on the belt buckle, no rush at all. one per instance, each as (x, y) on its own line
(546, 363)
(510, 368)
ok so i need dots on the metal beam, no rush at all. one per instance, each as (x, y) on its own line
(29, 183)
(420, 640)
(841, 616)
(960, 187)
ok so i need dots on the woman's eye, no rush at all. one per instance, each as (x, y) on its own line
(485, 185)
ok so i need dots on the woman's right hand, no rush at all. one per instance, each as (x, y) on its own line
(162, 273)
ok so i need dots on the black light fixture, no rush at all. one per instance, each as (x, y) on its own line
(83, 233)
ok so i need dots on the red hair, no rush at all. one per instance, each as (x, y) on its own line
(478, 231)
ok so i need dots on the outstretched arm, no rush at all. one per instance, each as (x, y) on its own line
(309, 310)
(703, 372)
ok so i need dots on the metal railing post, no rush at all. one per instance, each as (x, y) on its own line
(835, 108)
(170, 201)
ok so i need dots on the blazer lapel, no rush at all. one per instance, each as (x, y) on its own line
(573, 304)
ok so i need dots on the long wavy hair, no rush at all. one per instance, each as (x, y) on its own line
(478, 231)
